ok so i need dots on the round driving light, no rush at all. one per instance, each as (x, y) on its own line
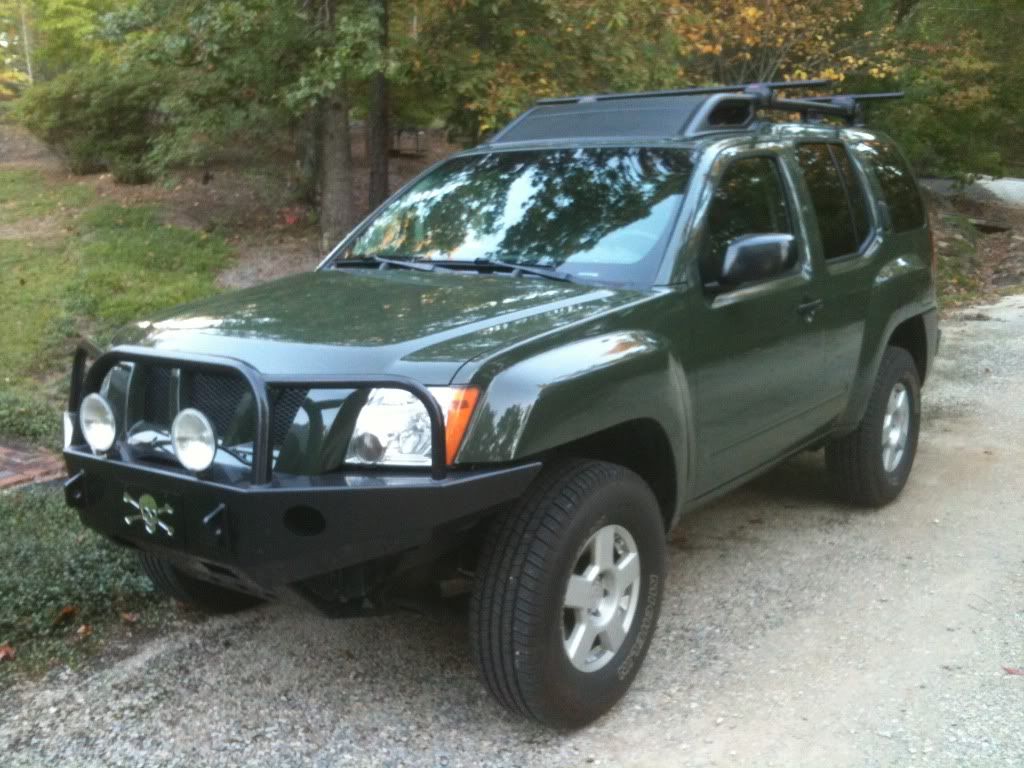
(195, 443)
(96, 418)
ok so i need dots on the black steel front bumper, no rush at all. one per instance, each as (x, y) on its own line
(263, 537)
(258, 529)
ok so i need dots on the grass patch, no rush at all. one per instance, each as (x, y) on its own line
(111, 265)
(59, 577)
(36, 279)
(29, 193)
(31, 416)
(132, 264)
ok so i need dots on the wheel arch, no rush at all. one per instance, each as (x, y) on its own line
(620, 397)
(912, 336)
(915, 329)
(643, 447)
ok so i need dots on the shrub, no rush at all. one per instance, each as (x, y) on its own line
(129, 170)
(97, 117)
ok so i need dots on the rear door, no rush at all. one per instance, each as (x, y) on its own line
(759, 354)
(846, 242)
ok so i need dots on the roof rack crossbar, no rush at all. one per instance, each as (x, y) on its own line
(860, 96)
(849, 107)
(697, 91)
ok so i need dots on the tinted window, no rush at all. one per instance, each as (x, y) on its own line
(595, 212)
(837, 196)
(901, 194)
(854, 191)
(750, 199)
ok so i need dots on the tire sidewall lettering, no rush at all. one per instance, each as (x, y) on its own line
(647, 621)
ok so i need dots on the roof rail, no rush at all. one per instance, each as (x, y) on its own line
(697, 91)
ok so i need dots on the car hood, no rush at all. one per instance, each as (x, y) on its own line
(371, 322)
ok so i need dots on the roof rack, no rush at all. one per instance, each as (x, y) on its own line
(673, 114)
(697, 91)
(848, 106)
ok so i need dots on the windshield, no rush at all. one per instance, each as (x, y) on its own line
(602, 213)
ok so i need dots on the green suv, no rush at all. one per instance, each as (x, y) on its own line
(513, 379)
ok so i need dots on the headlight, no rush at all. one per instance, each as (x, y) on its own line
(195, 443)
(393, 428)
(96, 418)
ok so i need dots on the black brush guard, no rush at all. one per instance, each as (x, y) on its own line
(259, 530)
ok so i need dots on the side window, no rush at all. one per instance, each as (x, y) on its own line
(837, 196)
(901, 194)
(750, 199)
(854, 191)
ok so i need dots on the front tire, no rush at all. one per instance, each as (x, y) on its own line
(568, 593)
(871, 465)
(207, 597)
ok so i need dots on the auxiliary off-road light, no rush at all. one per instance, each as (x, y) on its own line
(195, 442)
(99, 427)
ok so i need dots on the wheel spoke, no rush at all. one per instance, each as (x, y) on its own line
(604, 548)
(901, 398)
(580, 642)
(629, 571)
(612, 634)
(578, 593)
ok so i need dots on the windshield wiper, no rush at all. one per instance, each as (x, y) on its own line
(551, 273)
(386, 261)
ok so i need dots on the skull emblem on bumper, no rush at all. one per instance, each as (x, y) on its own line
(149, 513)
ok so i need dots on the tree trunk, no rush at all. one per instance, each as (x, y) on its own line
(378, 130)
(337, 209)
(309, 143)
(26, 43)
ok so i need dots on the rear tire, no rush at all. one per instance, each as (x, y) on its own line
(174, 582)
(871, 465)
(568, 593)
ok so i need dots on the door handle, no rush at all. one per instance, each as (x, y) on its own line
(808, 307)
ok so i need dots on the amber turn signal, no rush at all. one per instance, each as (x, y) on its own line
(460, 411)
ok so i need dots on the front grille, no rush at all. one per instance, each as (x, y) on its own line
(285, 403)
(161, 392)
(218, 396)
(156, 397)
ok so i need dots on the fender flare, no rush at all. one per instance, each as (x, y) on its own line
(871, 360)
(581, 388)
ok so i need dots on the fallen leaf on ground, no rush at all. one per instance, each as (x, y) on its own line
(7, 653)
(1014, 670)
(129, 617)
(85, 630)
(64, 614)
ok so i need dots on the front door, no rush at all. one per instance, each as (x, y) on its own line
(757, 351)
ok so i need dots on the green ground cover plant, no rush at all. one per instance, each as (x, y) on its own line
(66, 590)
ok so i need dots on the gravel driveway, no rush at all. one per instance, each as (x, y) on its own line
(794, 633)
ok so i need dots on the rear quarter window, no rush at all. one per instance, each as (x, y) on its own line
(906, 210)
(837, 197)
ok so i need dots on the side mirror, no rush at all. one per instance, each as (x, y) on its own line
(758, 257)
